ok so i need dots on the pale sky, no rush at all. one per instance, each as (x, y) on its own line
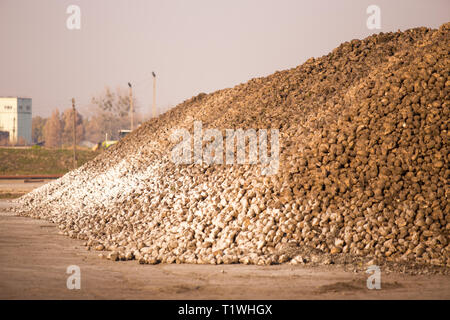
(193, 46)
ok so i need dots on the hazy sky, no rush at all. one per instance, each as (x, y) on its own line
(193, 46)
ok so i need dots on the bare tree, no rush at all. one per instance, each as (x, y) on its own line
(52, 130)
(67, 130)
(116, 103)
(37, 125)
(111, 113)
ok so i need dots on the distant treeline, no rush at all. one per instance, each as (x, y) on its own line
(110, 113)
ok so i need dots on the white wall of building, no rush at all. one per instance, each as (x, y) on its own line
(16, 118)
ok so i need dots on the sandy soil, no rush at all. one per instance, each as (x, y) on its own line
(34, 259)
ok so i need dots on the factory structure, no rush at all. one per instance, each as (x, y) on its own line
(15, 120)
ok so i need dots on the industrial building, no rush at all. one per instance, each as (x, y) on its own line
(15, 119)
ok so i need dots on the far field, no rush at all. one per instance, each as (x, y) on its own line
(32, 161)
(41, 161)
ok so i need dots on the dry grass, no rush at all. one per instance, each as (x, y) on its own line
(23, 161)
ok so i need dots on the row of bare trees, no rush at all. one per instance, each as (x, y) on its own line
(107, 114)
(57, 130)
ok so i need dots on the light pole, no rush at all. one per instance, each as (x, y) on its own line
(74, 134)
(154, 95)
(131, 107)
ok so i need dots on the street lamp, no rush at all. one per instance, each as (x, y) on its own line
(131, 107)
(154, 95)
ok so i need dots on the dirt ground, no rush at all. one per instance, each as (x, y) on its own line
(34, 259)
(15, 188)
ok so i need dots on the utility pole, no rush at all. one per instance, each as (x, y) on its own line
(154, 95)
(131, 107)
(74, 134)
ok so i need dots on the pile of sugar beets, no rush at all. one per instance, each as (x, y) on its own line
(362, 177)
